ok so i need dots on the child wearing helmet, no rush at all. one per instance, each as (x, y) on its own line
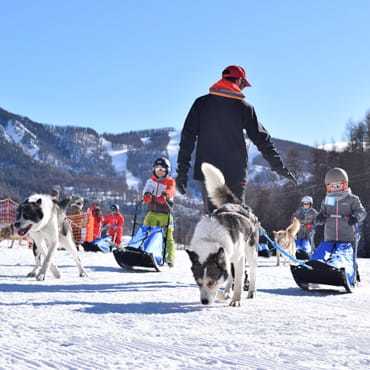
(340, 212)
(158, 194)
(306, 215)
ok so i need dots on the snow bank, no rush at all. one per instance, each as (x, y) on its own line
(339, 146)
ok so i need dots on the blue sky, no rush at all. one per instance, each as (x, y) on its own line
(127, 65)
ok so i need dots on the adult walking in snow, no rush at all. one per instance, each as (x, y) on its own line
(217, 123)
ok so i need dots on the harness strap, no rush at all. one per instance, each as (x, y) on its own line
(238, 215)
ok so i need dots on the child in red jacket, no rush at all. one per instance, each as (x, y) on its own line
(115, 222)
(158, 194)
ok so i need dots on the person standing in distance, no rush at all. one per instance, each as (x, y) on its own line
(217, 124)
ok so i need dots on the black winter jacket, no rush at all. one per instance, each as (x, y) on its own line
(218, 125)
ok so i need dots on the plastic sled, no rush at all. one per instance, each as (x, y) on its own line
(303, 249)
(145, 249)
(332, 264)
(104, 245)
(264, 250)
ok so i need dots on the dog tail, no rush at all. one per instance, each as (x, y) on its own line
(294, 227)
(217, 190)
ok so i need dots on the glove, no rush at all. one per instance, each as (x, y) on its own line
(147, 198)
(181, 183)
(320, 218)
(288, 175)
(352, 220)
(161, 200)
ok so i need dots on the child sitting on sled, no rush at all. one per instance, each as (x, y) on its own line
(158, 194)
(306, 215)
(115, 221)
(340, 212)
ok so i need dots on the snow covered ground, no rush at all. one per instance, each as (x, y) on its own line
(146, 320)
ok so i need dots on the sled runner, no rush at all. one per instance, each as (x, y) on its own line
(147, 247)
(333, 263)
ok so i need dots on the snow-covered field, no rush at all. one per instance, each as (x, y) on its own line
(146, 320)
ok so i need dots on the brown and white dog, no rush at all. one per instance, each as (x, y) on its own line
(286, 239)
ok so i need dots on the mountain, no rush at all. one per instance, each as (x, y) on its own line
(105, 167)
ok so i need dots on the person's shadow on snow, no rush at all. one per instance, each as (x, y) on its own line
(145, 308)
(99, 308)
(49, 287)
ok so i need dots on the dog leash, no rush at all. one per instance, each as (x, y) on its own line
(275, 245)
(283, 251)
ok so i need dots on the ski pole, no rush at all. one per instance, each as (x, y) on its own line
(355, 248)
(138, 204)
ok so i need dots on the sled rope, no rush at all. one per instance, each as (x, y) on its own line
(283, 251)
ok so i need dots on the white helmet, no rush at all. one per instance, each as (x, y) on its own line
(307, 199)
(335, 175)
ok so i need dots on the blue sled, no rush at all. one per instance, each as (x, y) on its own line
(333, 263)
(103, 244)
(263, 250)
(145, 249)
(303, 249)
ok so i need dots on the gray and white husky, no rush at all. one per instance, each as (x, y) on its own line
(227, 237)
(43, 220)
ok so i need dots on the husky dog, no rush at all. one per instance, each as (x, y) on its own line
(43, 220)
(227, 237)
(286, 239)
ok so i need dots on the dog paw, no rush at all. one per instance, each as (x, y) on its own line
(222, 296)
(235, 303)
(40, 276)
(31, 274)
(83, 274)
(251, 294)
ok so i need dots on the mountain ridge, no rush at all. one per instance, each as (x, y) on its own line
(71, 156)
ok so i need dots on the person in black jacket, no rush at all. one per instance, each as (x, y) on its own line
(217, 123)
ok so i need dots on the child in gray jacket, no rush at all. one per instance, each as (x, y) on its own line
(340, 210)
